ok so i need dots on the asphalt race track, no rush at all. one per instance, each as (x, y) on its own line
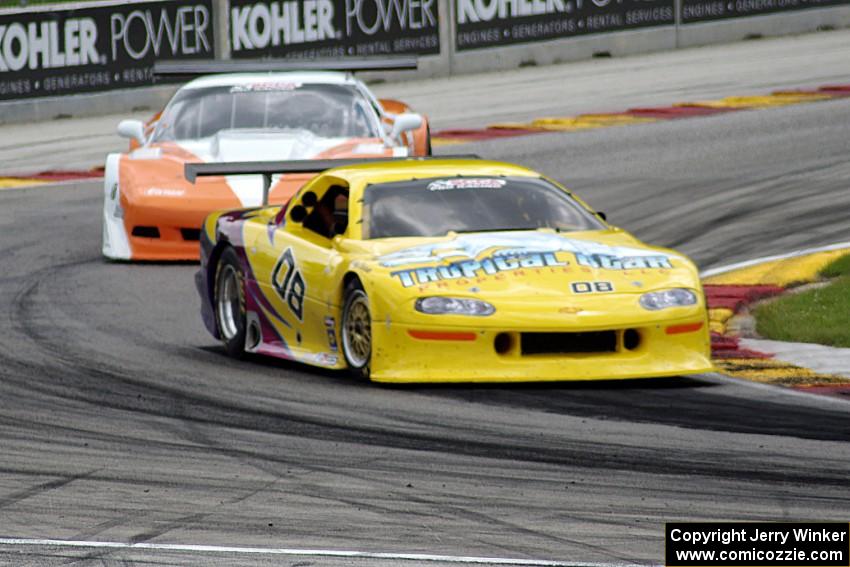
(122, 421)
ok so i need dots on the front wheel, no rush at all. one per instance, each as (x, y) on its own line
(229, 301)
(357, 330)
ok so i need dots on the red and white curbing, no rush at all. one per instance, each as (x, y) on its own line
(730, 290)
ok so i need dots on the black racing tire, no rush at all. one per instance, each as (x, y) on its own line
(428, 151)
(229, 303)
(356, 330)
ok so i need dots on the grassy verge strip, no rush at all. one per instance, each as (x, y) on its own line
(820, 315)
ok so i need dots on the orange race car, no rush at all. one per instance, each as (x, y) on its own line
(308, 110)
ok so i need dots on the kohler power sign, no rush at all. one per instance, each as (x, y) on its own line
(332, 28)
(56, 52)
(489, 23)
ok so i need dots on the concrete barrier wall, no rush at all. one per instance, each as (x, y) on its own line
(562, 50)
(150, 99)
(451, 61)
(725, 31)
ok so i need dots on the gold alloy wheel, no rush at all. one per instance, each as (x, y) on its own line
(357, 331)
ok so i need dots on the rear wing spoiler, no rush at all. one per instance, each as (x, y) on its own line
(269, 168)
(193, 68)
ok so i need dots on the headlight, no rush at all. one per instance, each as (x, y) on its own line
(454, 306)
(115, 195)
(678, 297)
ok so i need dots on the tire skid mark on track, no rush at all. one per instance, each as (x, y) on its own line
(103, 527)
(23, 303)
(162, 401)
(36, 490)
(180, 522)
(243, 418)
(778, 203)
(55, 430)
(490, 519)
(696, 402)
(522, 453)
(162, 527)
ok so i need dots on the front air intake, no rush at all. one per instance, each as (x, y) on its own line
(568, 343)
(146, 231)
(191, 234)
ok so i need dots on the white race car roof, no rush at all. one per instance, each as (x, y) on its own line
(308, 77)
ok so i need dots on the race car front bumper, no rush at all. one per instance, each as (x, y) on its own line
(439, 354)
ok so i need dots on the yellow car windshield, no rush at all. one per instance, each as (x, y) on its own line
(436, 206)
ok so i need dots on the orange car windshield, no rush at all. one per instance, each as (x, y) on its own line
(325, 110)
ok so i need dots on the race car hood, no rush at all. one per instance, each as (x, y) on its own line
(262, 145)
(519, 270)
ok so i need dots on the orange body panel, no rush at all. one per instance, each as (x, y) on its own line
(163, 212)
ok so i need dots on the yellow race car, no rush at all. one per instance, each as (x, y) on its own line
(445, 270)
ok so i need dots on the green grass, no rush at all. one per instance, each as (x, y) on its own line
(838, 267)
(819, 316)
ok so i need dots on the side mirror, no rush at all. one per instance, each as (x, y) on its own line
(133, 129)
(602, 215)
(404, 123)
(298, 214)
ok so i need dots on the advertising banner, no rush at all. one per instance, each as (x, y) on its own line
(58, 52)
(488, 23)
(333, 28)
(707, 10)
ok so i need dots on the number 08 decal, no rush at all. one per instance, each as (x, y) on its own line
(592, 287)
(289, 283)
